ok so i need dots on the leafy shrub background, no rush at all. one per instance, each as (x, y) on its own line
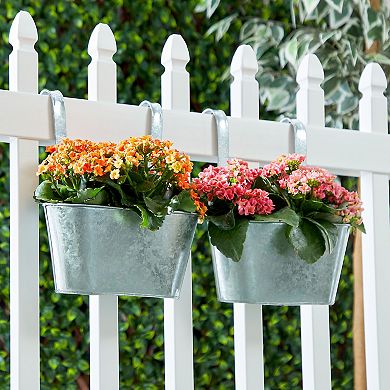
(141, 28)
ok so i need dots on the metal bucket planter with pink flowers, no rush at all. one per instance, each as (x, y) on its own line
(278, 234)
(271, 273)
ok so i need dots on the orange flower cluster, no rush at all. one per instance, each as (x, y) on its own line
(155, 156)
(153, 159)
(201, 208)
(77, 157)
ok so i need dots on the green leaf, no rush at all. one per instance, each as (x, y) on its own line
(126, 199)
(145, 186)
(330, 217)
(311, 205)
(149, 220)
(277, 98)
(45, 193)
(360, 227)
(53, 363)
(95, 196)
(291, 51)
(221, 27)
(310, 5)
(307, 241)
(224, 222)
(158, 207)
(341, 16)
(183, 202)
(337, 5)
(262, 183)
(229, 242)
(329, 232)
(286, 215)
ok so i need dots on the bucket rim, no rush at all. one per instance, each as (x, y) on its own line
(95, 206)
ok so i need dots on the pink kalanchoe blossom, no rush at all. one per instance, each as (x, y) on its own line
(307, 179)
(283, 165)
(254, 202)
(353, 205)
(233, 183)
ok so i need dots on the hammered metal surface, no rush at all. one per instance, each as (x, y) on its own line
(103, 250)
(270, 273)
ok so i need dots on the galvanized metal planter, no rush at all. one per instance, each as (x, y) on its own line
(270, 273)
(103, 250)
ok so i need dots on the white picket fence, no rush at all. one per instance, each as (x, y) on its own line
(25, 122)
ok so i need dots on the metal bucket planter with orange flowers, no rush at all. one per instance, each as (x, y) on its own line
(120, 217)
(278, 234)
(104, 250)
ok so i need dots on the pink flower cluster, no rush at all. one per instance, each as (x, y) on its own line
(283, 165)
(234, 183)
(352, 211)
(305, 179)
(290, 175)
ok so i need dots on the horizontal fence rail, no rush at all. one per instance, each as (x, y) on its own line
(342, 151)
(26, 123)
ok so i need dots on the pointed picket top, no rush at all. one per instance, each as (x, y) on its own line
(310, 71)
(175, 52)
(23, 33)
(373, 79)
(102, 44)
(244, 89)
(244, 62)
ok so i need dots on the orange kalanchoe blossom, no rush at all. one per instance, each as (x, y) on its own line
(162, 161)
(153, 160)
(156, 156)
(201, 208)
(77, 157)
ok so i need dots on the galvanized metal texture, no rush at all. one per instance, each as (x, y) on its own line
(222, 134)
(157, 118)
(103, 250)
(300, 139)
(270, 273)
(59, 113)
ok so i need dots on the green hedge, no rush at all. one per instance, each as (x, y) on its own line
(141, 28)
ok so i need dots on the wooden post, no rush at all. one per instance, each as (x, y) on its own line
(24, 243)
(104, 354)
(375, 243)
(178, 336)
(315, 336)
(248, 323)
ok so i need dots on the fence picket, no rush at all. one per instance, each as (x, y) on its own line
(248, 323)
(178, 334)
(315, 335)
(24, 243)
(376, 243)
(104, 354)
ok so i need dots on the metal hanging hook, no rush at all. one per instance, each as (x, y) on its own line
(222, 134)
(157, 118)
(59, 113)
(300, 138)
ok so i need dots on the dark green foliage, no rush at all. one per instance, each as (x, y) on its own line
(141, 27)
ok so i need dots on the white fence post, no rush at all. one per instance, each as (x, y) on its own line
(24, 243)
(376, 243)
(248, 323)
(316, 369)
(103, 309)
(178, 336)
